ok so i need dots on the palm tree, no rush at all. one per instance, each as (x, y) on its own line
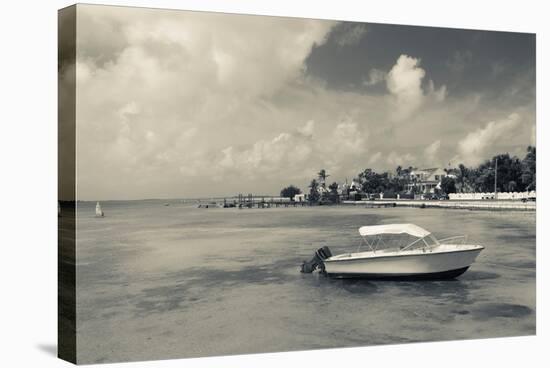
(323, 177)
(398, 170)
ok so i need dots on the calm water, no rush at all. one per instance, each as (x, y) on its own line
(175, 281)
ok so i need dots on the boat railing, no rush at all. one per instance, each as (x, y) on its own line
(459, 240)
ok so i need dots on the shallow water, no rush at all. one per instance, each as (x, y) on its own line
(158, 282)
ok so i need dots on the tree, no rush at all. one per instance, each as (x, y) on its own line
(529, 169)
(322, 177)
(399, 170)
(509, 170)
(448, 185)
(372, 182)
(290, 191)
(334, 196)
(314, 191)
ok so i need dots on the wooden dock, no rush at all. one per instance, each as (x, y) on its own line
(248, 201)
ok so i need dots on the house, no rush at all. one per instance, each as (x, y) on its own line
(347, 190)
(301, 197)
(425, 180)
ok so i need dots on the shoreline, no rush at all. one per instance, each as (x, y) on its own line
(448, 204)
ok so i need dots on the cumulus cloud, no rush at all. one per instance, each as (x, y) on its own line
(307, 129)
(431, 152)
(476, 146)
(375, 159)
(290, 152)
(375, 76)
(394, 159)
(170, 105)
(404, 82)
(267, 157)
(348, 139)
(163, 88)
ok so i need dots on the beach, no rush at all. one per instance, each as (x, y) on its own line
(159, 281)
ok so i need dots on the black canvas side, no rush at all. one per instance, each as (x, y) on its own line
(66, 274)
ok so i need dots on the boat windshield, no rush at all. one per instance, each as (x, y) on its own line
(396, 237)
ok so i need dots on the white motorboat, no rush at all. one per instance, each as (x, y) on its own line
(399, 251)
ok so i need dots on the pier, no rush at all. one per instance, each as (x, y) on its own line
(247, 201)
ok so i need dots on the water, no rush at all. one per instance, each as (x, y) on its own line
(158, 282)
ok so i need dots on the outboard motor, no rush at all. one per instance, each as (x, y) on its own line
(317, 261)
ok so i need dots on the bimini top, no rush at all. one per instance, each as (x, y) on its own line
(410, 229)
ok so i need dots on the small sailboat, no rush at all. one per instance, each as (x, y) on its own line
(98, 210)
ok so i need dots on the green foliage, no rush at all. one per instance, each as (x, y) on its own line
(290, 191)
(334, 197)
(514, 175)
(314, 191)
(448, 185)
(529, 169)
(372, 182)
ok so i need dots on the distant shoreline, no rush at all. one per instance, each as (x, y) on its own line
(488, 205)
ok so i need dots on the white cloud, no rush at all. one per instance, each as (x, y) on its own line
(169, 103)
(477, 145)
(394, 159)
(348, 139)
(374, 159)
(290, 152)
(404, 82)
(438, 95)
(431, 152)
(375, 76)
(165, 90)
(307, 129)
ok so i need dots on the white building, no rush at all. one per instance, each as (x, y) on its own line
(426, 180)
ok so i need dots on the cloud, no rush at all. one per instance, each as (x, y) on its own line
(307, 129)
(170, 105)
(347, 139)
(350, 34)
(164, 91)
(374, 159)
(290, 152)
(375, 76)
(479, 144)
(404, 82)
(438, 95)
(431, 152)
(394, 159)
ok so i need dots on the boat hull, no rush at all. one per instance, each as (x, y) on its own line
(445, 275)
(430, 265)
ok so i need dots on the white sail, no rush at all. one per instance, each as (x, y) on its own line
(98, 210)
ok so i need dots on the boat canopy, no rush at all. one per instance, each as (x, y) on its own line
(410, 229)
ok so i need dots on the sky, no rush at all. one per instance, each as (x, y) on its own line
(180, 104)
